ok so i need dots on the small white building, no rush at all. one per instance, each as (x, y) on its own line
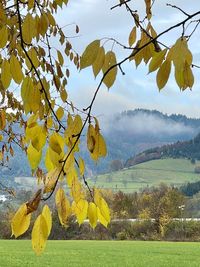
(3, 198)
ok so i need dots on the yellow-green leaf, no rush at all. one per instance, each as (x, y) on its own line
(99, 61)
(90, 54)
(4, 36)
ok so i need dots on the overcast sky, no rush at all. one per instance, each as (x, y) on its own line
(136, 89)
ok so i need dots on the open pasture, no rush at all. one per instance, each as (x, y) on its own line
(14, 253)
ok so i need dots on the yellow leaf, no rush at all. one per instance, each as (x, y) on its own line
(99, 61)
(27, 91)
(21, 221)
(33, 204)
(1, 155)
(60, 113)
(80, 210)
(47, 215)
(15, 69)
(63, 206)
(50, 180)
(51, 19)
(2, 119)
(60, 58)
(4, 36)
(73, 130)
(139, 55)
(153, 32)
(69, 164)
(56, 143)
(95, 142)
(31, 4)
(71, 175)
(101, 219)
(110, 76)
(39, 234)
(81, 166)
(90, 54)
(157, 60)
(39, 139)
(48, 163)
(5, 74)
(188, 76)
(184, 76)
(179, 76)
(33, 57)
(148, 9)
(77, 190)
(44, 24)
(28, 28)
(102, 150)
(63, 94)
(91, 138)
(179, 53)
(55, 158)
(92, 214)
(103, 207)
(34, 157)
(103, 212)
(163, 74)
(132, 36)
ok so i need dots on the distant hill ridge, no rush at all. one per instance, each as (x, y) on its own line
(188, 149)
(127, 134)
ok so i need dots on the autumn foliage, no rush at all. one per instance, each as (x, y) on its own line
(51, 125)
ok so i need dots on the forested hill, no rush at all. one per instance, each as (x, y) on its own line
(134, 131)
(188, 149)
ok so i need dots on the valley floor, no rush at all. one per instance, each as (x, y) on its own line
(14, 253)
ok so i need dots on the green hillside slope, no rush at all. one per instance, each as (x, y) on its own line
(170, 171)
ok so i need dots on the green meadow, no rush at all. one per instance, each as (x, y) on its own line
(152, 173)
(14, 253)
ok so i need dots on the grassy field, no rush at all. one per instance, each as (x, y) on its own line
(100, 253)
(170, 171)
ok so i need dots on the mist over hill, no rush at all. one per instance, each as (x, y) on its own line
(126, 134)
(134, 131)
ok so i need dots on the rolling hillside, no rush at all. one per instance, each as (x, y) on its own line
(169, 171)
